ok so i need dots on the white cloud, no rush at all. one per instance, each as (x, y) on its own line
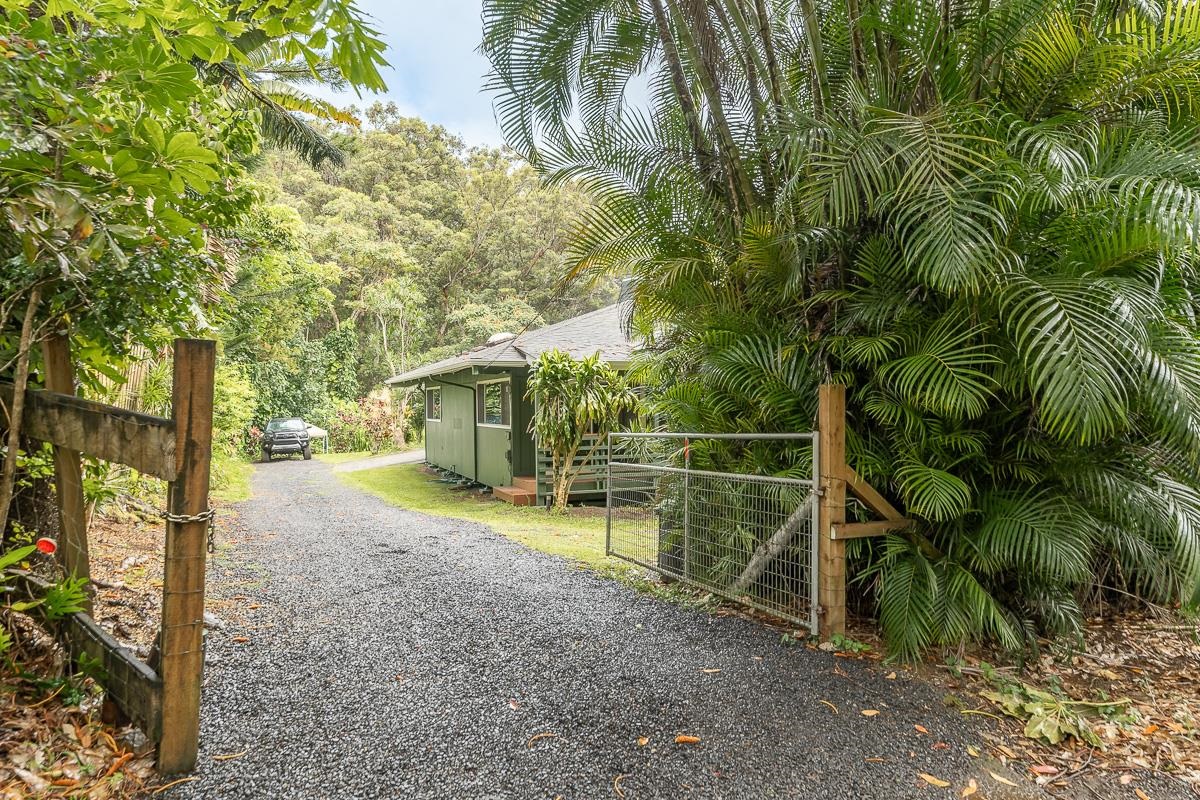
(436, 71)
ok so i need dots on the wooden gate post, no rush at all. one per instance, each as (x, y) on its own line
(181, 642)
(68, 470)
(831, 552)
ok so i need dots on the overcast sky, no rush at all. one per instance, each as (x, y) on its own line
(436, 72)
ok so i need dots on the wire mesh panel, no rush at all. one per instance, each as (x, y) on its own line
(749, 538)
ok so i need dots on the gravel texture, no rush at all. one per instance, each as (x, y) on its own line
(395, 654)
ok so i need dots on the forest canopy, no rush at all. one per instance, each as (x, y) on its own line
(417, 249)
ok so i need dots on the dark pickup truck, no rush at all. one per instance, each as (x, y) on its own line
(285, 435)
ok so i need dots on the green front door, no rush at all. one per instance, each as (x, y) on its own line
(493, 432)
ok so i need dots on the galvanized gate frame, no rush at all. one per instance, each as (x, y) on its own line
(687, 474)
(833, 480)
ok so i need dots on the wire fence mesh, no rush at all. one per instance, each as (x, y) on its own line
(746, 537)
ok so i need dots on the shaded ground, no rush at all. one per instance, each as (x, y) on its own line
(391, 654)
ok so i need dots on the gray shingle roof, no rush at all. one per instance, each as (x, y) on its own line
(598, 331)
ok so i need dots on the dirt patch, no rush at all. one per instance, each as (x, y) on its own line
(1133, 688)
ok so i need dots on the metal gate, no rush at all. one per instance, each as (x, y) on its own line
(746, 537)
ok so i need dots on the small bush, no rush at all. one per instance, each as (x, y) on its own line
(369, 424)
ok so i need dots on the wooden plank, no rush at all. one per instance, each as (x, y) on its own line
(141, 441)
(68, 472)
(182, 645)
(863, 530)
(868, 494)
(831, 552)
(134, 687)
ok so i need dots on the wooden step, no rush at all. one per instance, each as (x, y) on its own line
(528, 484)
(515, 495)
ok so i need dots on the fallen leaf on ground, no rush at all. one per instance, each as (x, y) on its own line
(891, 676)
(921, 729)
(117, 764)
(684, 738)
(1141, 795)
(1001, 779)
(932, 781)
(643, 741)
(230, 756)
(710, 670)
(831, 705)
(939, 746)
(166, 786)
(240, 639)
(514, 705)
(971, 788)
(1043, 769)
(37, 784)
(1125, 779)
(617, 785)
(535, 737)
(1149, 730)
(875, 760)
(973, 752)
(869, 712)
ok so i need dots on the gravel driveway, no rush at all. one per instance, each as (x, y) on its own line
(393, 654)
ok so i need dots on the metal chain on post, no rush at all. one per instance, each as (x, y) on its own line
(208, 515)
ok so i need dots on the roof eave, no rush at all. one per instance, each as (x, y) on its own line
(418, 375)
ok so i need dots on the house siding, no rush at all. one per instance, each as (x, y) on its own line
(450, 443)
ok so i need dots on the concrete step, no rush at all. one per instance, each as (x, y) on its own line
(528, 484)
(515, 495)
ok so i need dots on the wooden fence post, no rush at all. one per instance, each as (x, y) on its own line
(831, 552)
(68, 471)
(181, 642)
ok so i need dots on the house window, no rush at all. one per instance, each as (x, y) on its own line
(433, 404)
(493, 403)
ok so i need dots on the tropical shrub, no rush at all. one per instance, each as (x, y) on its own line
(119, 153)
(979, 215)
(367, 425)
(572, 399)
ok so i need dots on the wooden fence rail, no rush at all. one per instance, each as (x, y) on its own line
(164, 703)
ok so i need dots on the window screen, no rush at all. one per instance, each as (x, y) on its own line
(493, 403)
(433, 404)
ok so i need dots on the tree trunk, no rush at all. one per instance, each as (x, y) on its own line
(687, 104)
(812, 32)
(773, 77)
(857, 51)
(770, 550)
(700, 46)
(15, 414)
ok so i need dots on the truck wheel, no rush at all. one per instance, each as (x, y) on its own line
(266, 455)
(307, 452)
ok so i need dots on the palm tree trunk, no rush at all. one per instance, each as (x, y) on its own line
(774, 81)
(857, 51)
(683, 93)
(703, 59)
(812, 31)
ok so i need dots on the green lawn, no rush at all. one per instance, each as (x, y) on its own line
(578, 535)
(231, 479)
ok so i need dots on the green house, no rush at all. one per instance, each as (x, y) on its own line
(476, 414)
